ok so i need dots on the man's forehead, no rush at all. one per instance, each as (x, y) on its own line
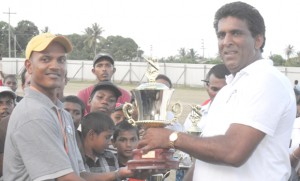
(6, 97)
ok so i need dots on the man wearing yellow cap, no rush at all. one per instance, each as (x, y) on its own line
(40, 142)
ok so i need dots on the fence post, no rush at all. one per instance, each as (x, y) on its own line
(184, 75)
(82, 70)
(130, 69)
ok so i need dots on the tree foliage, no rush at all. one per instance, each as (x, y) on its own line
(24, 31)
(93, 36)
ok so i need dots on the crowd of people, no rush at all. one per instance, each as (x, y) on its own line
(247, 131)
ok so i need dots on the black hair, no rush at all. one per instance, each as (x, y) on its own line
(296, 82)
(245, 12)
(219, 70)
(76, 100)
(13, 76)
(96, 121)
(124, 126)
(164, 77)
(23, 76)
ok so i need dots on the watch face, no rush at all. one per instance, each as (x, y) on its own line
(173, 136)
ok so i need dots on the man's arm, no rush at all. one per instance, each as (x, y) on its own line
(121, 173)
(70, 177)
(233, 148)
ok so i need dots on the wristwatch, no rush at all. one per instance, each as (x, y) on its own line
(172, 138)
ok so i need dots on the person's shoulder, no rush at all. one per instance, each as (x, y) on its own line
(86, 90)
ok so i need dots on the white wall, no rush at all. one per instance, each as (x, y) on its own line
(182, 74)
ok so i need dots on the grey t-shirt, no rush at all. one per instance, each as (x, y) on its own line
(34, 146)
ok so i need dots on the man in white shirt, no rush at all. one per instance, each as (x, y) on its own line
(244, 138)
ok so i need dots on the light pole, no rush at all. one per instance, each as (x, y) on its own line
(9, 13)
(137, 54)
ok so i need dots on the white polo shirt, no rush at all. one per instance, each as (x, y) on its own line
(261, 97)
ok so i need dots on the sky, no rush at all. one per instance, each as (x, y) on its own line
(159, 27)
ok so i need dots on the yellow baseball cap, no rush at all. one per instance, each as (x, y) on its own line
(41, 42)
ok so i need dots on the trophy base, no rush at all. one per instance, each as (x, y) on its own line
(158, 159)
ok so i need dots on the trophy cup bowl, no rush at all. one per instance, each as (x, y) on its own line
(152, 100)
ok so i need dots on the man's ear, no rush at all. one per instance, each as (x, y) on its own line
(93, 70)
(114, 70)
(28, 66)
(91, 134)
(259, 40)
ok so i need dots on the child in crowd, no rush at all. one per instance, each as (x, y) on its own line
(125, 139)
(104, 98)
(117, 116)
(75, 107)
(97, 129)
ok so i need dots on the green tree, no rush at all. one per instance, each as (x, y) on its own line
(24, 31)
(122, 49)
(4, 50)
(289, 50)
(80, 50)
(93, 36)
(277, 59)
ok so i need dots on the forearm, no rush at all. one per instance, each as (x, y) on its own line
(295, 157)
(213, 150)
(109, 176)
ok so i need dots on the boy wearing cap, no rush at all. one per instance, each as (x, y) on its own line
(104, 97)
(103, 69)
(7, 104)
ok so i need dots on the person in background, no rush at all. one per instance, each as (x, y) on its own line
(75, 107)
(103, 69)
(125, 140)
(297, 89)
(25, 79)
(214, 82)
(97, 130)
(11, 81)
(7, 104)
(244, 136)
(118, 115)
(104, 97)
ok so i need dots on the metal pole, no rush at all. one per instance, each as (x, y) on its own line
(9, 13)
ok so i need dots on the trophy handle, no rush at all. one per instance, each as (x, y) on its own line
(177, 110)
(128, 110)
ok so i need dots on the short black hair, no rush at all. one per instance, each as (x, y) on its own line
(76, 100)
(219, 70)
(245, 12)
(164, 77)
(124, 126)
(96, 121)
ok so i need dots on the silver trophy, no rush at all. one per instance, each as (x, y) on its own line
(195, 117)
(152, 100)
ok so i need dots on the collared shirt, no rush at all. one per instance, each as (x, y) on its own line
(106, 162)
(35, 148)
(260, 97)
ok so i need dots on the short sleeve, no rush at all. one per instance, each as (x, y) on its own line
(40, 144)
